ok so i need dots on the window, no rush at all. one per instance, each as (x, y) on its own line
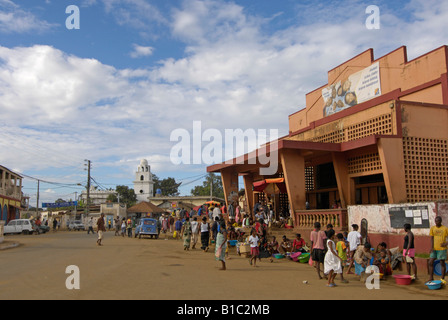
(325, 176)
(142, 178)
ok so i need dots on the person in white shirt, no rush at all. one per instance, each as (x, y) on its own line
(216, 213)
(194, 232)
(354, 240)
(254, 250)
(205, 234)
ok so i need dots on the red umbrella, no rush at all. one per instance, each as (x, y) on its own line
(271, 186)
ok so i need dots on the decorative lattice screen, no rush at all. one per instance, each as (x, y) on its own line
(425, 163)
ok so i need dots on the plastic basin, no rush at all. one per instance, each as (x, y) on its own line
(438, 268)
(434, 285)
(403, 280)
(304, 258)
(233, 242)
(295, 256)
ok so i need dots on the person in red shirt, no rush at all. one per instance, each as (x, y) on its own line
(298, 244)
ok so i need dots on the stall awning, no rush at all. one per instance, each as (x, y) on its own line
(270, 186)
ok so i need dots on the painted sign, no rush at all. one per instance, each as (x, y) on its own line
(60, 204)
(357, 88)
(416, 216)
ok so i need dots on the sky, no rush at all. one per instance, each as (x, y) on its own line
(115, 89)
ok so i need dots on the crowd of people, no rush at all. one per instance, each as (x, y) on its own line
(346, 250)
(331, 254)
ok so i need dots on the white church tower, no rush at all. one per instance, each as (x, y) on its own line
(143, 184)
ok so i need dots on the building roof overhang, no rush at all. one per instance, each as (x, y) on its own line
(251, 161)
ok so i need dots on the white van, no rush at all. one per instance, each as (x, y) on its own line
(19, 226)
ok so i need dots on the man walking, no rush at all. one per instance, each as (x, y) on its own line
(101, 228)
(90, 225)
(439, 235)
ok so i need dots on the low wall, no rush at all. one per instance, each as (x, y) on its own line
(379, 220)
(381, 230)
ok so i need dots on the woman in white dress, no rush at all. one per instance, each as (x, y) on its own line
(332, 262)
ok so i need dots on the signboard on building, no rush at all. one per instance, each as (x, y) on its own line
(60, 204)
(357, 88)
(416, 216)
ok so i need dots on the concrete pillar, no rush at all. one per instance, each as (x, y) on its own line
(294, 173)
(391, 155)
(248, 187)
(229, 180)
(346, 185)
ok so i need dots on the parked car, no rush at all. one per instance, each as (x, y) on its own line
(76, 225)
(43, 228)
(146, 227)
(24, 226)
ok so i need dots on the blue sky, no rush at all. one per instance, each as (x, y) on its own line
(114, 90)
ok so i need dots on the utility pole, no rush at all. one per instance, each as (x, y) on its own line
(211, 187)
(76, 205)
(88, 186)
(37, 201)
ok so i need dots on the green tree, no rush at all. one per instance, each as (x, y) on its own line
(127, 195)
(112, 198)
(157, 185)
(168, 186)
(204, 190)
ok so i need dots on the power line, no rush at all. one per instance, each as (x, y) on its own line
(49, 182)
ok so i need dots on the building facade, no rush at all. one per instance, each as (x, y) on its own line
(97, 197)
(10, 195)
(143, 183)
(376, 133)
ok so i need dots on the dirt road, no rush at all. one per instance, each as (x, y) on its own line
(129, 268)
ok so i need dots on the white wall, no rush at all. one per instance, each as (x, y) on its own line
(379, 220)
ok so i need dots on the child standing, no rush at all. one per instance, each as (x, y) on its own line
(332, 261)
(409, 250)
(254, 250)
(341, 248)
(354, 239)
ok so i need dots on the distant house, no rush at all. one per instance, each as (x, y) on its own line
(145, 209)
(97, 197)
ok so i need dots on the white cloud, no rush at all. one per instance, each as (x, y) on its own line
(13, 19)
(141, 51)
(234, 74)
(138, 14)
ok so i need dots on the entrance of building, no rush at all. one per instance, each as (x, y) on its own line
(370, 189)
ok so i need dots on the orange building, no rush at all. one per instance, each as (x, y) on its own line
(377, 132)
